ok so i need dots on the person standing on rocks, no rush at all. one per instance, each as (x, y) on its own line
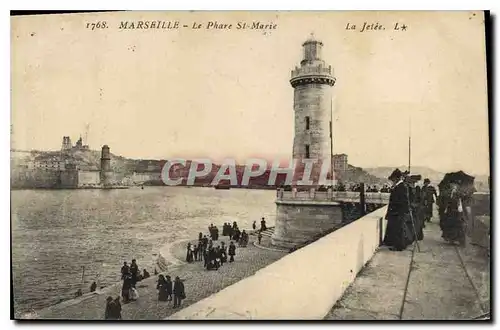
(232, 251)
(127, 285)
(125, 269)
(134, 271)
(179, 293)
(254, 225)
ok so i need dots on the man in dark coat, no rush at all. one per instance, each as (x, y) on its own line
(127, 285)
(117, 310)
(397, 214)
(263, 224)
(215, 235)
(232, 251)
(134, 271)
(416, 208)
(179, 292)
(125, 269)
(428, 193)
(113, 309)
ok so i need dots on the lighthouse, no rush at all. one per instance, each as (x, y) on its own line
(300, 219)
(313, 84)
(105, 166)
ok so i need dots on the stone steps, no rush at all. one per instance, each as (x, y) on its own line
(266, 233)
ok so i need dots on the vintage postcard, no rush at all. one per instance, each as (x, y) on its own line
(250, 165)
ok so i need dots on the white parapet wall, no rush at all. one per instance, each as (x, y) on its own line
(336, 196)
(303, 285)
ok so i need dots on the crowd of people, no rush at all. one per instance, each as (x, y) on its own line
(167, 289)
(411, 207)
(213, 255)
(356, 187)
(130, 275)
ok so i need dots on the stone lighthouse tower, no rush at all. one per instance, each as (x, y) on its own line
(105, 166)
(312, 83)
(299, 219)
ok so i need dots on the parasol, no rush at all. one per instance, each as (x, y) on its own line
(460, 178)
(464, 181)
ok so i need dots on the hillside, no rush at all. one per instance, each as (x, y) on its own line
(90, 159)
(87, 159)
(384, 172)
(359, 175)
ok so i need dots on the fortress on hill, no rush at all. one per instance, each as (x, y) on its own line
(71, 167)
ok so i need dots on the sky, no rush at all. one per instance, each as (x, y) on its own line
(226, 93)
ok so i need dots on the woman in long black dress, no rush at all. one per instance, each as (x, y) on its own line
(162, 288)
(454, 224)
(189, 254)
(169, 285)
(127, 285)
(232, 251)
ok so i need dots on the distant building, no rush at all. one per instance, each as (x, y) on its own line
(47, 164)
(79, 145)
(340, 162)
(144, 166)
(67, 146)
(78, 178)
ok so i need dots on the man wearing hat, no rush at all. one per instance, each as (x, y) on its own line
(397, 213)
(428, 193)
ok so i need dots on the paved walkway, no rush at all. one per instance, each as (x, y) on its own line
(199, 284)
(439, 282)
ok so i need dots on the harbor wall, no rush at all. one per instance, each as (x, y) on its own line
(304, 284)
(36, 178)
(299, 221)
(479, 222)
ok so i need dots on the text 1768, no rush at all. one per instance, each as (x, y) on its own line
(97, 25)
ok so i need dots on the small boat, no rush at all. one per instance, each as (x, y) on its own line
(222, 186)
